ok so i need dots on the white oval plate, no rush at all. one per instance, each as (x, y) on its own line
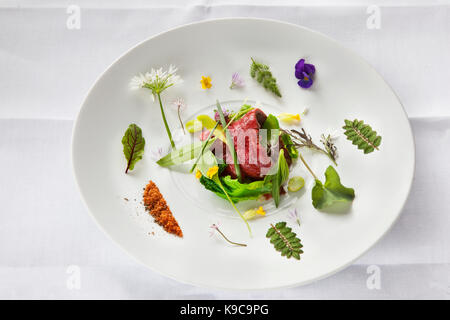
(345, 87)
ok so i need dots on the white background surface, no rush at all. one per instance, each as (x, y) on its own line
(46, 70)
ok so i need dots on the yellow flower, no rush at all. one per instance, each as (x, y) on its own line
(261, 211)
(206, 82)
(212, 171)
(252, 213)
(198, 174)
(289, 117)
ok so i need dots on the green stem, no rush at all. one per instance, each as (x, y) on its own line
(306, 165)
(330, 157)
(181, 122)
(165, 122)
(229, 241)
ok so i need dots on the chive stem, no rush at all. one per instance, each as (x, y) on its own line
(165, 122)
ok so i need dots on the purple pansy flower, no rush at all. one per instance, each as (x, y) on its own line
(304, 72)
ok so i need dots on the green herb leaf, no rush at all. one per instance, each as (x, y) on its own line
(273, 128)
(280, 177)
(284, 240)
(185, 153)
(362, 135)
(332, 192)
(289, 144)
(262, 74)
(133, 145)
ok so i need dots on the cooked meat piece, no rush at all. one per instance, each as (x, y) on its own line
(253, 119)
(252, 156)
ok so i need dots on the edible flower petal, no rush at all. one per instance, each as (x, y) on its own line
(236, 81)
(304, 72)
(212, 171)
(253, 213)
(306, 81)
(206, 82)
(198, 174)
(293, 215)
(289, 118)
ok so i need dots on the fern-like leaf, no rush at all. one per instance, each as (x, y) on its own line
(362, 135)
(262, 74)
(284, 240)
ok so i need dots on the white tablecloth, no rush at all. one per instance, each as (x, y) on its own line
(49, 245)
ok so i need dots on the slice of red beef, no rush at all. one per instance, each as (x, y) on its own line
(253, 119)
(252, 156)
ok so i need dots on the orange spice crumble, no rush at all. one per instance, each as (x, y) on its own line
(154, 202)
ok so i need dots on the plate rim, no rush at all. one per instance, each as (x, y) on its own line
(230, 19)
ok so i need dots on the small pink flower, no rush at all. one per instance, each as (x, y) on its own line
(214, 227)
(293, 215)
(179, 104)
(237, 81)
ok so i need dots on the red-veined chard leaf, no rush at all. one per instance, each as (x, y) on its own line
(133, 145)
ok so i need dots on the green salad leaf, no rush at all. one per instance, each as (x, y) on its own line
(185, 153)
(236, 190)
(133, 146)
(332, 192)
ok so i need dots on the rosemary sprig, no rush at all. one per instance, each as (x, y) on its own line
(302, 140)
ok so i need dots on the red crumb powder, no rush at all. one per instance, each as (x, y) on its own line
(154, 202)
